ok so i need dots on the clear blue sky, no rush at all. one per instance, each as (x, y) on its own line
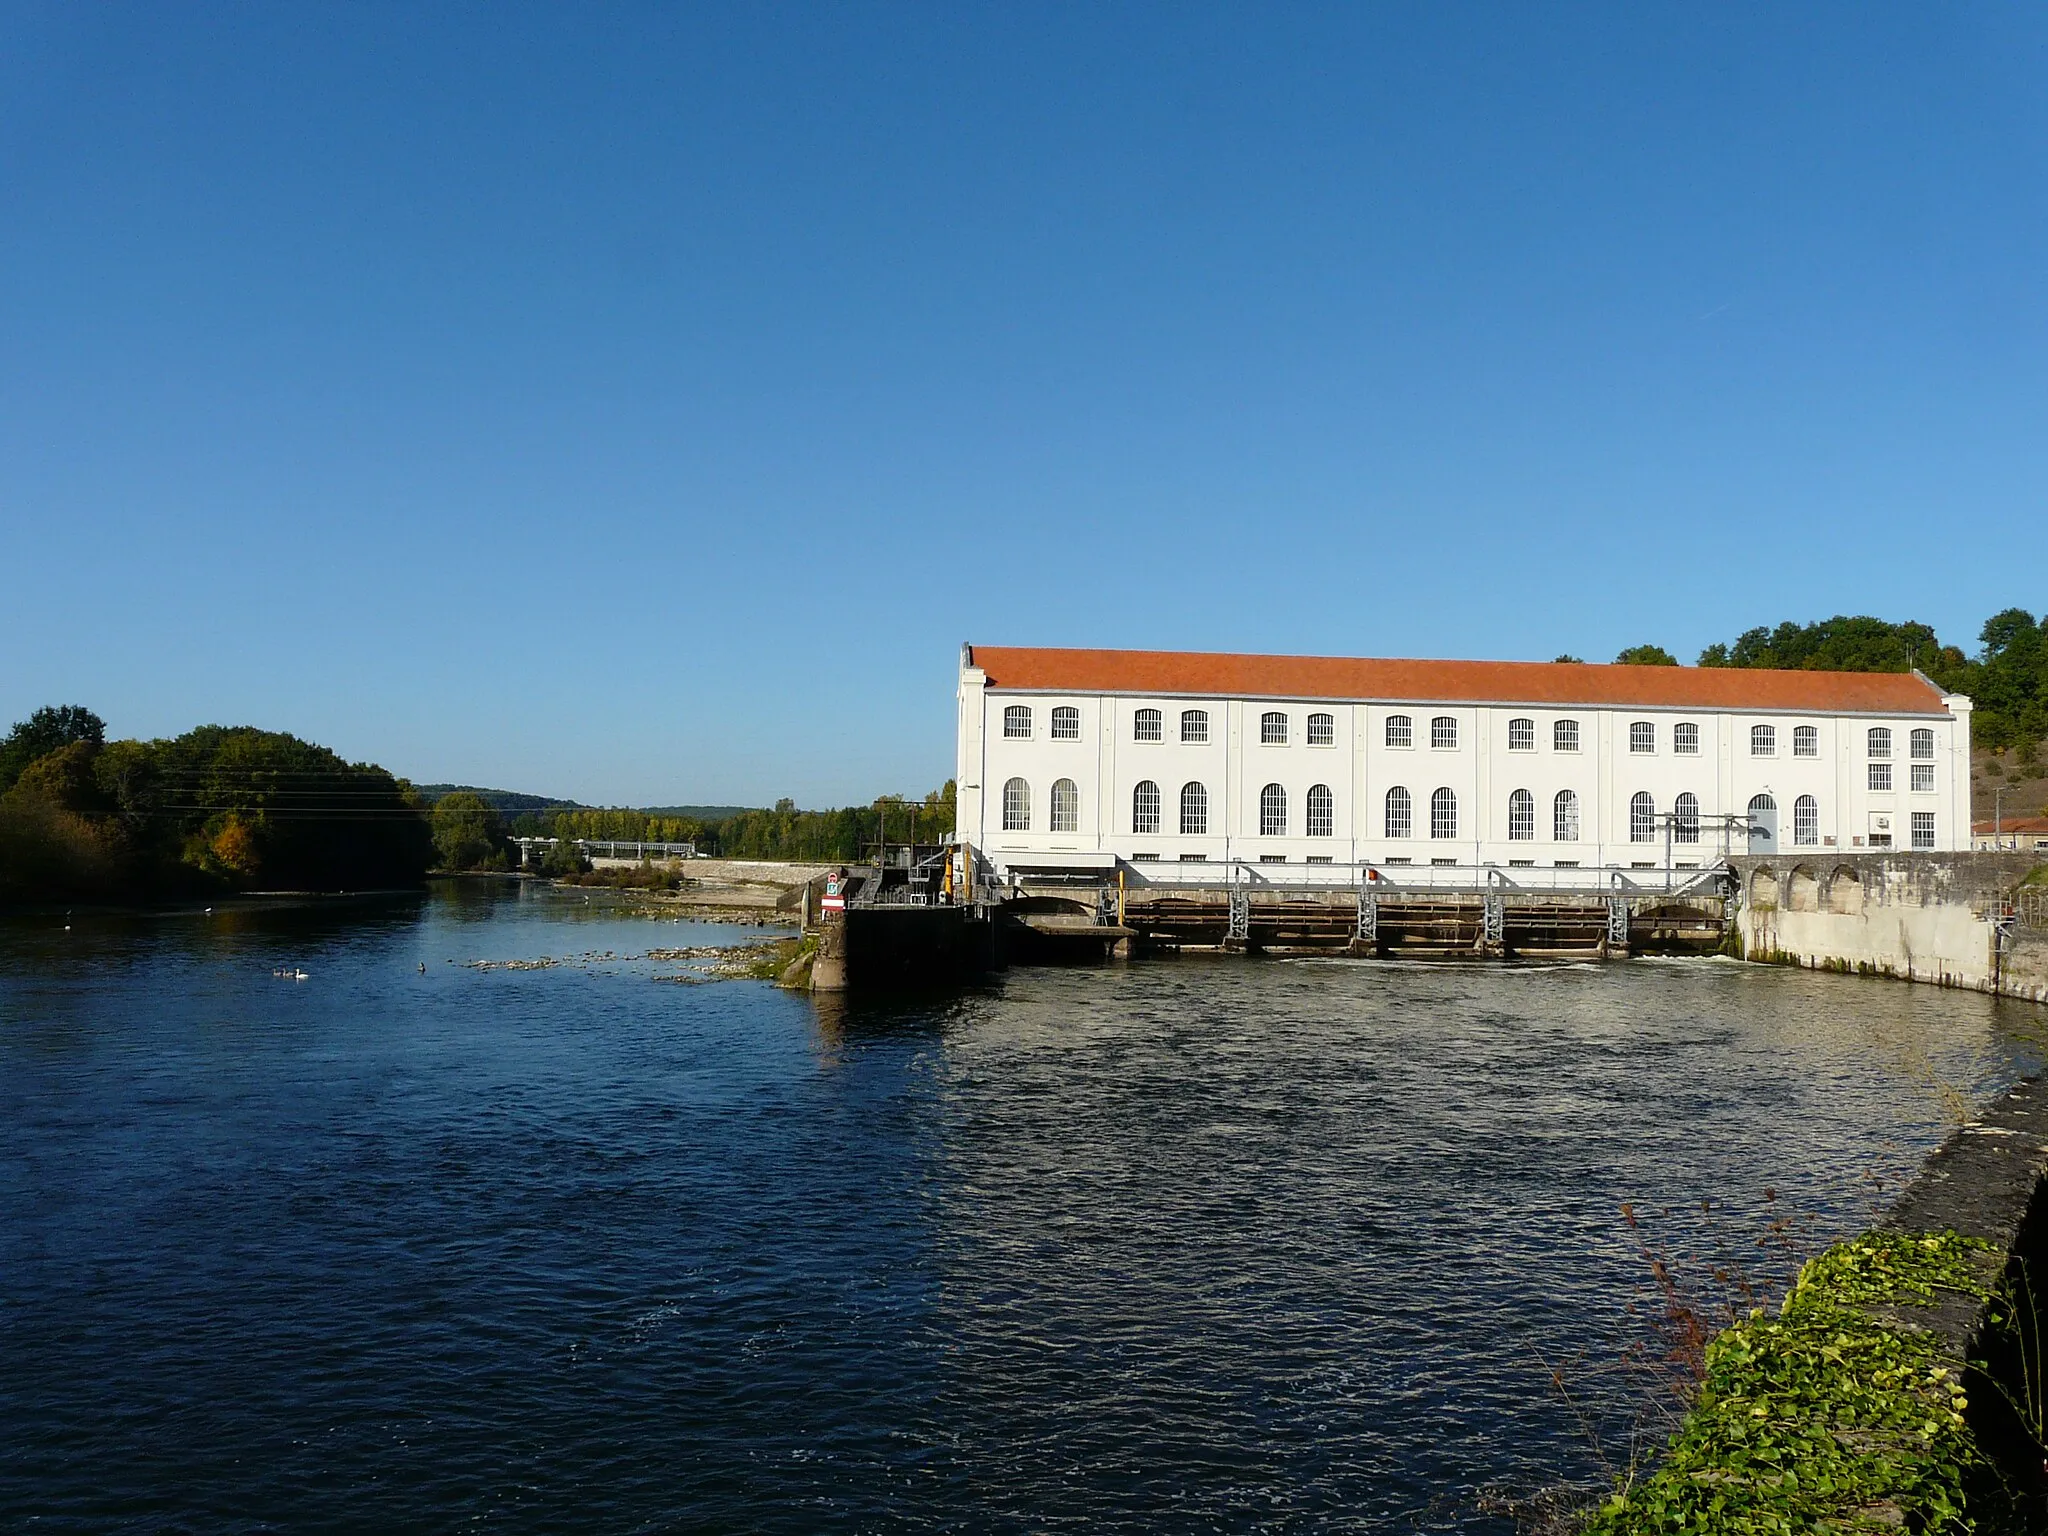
(641, 403)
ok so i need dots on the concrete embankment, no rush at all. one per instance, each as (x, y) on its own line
(1900, 1385)
(1930, 917)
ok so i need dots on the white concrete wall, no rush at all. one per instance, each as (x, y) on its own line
(1106, 763)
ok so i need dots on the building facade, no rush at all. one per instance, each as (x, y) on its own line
(1086, 759)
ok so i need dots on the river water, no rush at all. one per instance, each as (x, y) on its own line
(1186, 1245)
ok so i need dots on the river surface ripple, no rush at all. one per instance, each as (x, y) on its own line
(1186, 1245)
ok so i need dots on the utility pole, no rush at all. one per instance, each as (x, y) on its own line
(1998, 817)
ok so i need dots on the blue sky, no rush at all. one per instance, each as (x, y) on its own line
(641, 404)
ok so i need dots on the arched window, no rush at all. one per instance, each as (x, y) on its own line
(1763, 741)
(1642, 736)
(1194, 725)
(1806, 822)
(1194, 811)
(1686, 813)
(1272, 811)
(1564, 817)
(1148, 725)
(1273, 728)
(1400, 813)
(1564, 736)
(1685, 738)
(1322, 730)
(1923, 746)
(1066, 723)
(1145, 807)
(1066, 806)
(1443, 813)
(1880, 739)
(1400, 731)
(1017, 723)
(1521, 817)
(1016, 806)
(1642, 817)
(1443, 731)
(1806, 741)
(1521, 735)
(1322, 811)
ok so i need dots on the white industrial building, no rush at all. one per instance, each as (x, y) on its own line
(1087, 760)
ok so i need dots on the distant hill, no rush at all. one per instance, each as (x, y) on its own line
(698, 812)
(509, 802)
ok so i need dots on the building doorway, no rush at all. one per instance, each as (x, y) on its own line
(1763, 825)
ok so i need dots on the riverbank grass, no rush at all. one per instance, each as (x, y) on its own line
(1839, 1413)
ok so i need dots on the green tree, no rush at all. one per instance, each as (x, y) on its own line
(1646, 656)
(565, 858)
(49, 729)
(468, 833)
(1575, 660)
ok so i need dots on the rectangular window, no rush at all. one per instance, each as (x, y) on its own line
(1564, 864)
(1564, 736)
(1450, 862)
(1066, 723)
(1923, 778)
(1273, 729)
(1400, 731)
(1880, 775)
(1923, 829)
(1642, 736)
(1685, 739)
(1403, 860)
(1443, 732)
(1322, 858)
(1763, 741)
(1521, 735)
(1521, 863)
(1016, 723)
(1272, 858)
(1144, 858)
(1148, 725)
(1805, 741)
(1923, 746)
(1880, 741)
(1194, 858)
(1194, 726)
(1322, 730)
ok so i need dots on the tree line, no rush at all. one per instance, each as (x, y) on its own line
(216, 810)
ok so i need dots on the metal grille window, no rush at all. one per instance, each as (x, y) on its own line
(1066, 806)
(1273, 728)
(1016, 806)
(1806, 822)
(1806, 741)
(1017, 723)
(1322, 811)
(1521, 817)
(1642, 817)
(1194, 811)
(1564, 817)
(1148, 725)
(1400, 731)
(1685, 738)
(1880, 739)
(1763, 741)
(1923, 778)
(1066, 723)
(1880, 775)
(1145, 807)
(1642, 736)
(1521, 734)
(1272, 811)
(1564, 736)
(1923, 746)
(1322, 730)
(1685, 818)
(1443, 731)
(1443, 813)
(1923, 829)
(1400, 813)
(1194, 725)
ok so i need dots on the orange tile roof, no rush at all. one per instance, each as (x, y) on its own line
(1492, 682)
(2029, 826)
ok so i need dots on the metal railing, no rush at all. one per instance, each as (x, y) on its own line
(1417, 879)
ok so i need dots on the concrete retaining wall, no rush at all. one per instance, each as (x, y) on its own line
(1923, 917)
